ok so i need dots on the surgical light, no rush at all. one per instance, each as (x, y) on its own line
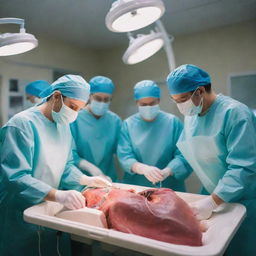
(16, 43)
(144, 46)
(130, 15)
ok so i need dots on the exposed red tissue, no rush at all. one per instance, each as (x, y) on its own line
(154, 213)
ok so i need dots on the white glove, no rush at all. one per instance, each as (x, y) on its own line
(96, 181)
(152, 173)
(166, 172)
(106, 177)
(91, 168)
(203, 208)
(71, 199)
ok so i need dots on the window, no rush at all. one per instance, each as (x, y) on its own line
(243, 89)
(13, 85)
(16, 97)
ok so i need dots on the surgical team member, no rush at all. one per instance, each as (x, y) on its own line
(96, 131)
(219, 143)
(36, 165)
(34, 89)
(147, 147)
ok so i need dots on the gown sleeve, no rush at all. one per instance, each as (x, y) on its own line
(71, 175)
(75, 155)
(16, 161)
(240, 176)
(125, 152)
(179, 166)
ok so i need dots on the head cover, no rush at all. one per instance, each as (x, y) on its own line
(101, 84)
(146, 89)
(36, 87)
(71, 86)
(187, 78)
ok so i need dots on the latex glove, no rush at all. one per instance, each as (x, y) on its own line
(203, 208)
(166, 172)
(95, 181)
(71, 199)
(91, 168)
(152, 173)
(106, 177)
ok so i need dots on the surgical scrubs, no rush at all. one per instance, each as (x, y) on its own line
(221, 148)
(35, 156)
(153, 143)
(96, 140)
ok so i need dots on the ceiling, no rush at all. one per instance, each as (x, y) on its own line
(82, 22)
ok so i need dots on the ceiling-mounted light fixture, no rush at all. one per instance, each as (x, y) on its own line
(144, 46)
(130, 15)
(16, 43)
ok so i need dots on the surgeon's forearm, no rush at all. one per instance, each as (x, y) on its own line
(89, 167)
(51, 195)
(217, 199)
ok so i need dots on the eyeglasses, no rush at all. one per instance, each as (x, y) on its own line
(187, 98)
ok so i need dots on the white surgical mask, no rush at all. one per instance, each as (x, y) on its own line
(99, 108)
(37, 100)
(65, 116)
(188, 108)
(149, 112)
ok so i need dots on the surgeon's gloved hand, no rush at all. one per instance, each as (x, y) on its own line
(96, 181)
(91, 168)
(106, 177)
(152, 173)
(166, 172)
(203, 208)
(71, 199)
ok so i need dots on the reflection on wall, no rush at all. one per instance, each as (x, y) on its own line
(17, 98)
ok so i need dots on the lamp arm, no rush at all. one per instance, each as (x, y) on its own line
(14, 21)
(129, 35)
(167, 45)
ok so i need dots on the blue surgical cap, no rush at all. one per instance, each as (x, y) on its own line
(187, 78)
(36, 87)
(71, 86)
(146, 89)
(101, 84)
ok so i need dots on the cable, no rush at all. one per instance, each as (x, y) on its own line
(39, 241)
(59, 233)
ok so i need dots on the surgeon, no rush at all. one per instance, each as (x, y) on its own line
(219, 143)
(96, 131)
(36, 165)
(147, 147)
(34, 89)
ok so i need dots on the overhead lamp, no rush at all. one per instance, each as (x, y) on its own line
(130, 15)
(16, 43)
(144, 46)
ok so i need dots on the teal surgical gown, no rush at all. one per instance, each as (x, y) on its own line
(152, 143)
(96, 140)
(35, 156)
(221, 148)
